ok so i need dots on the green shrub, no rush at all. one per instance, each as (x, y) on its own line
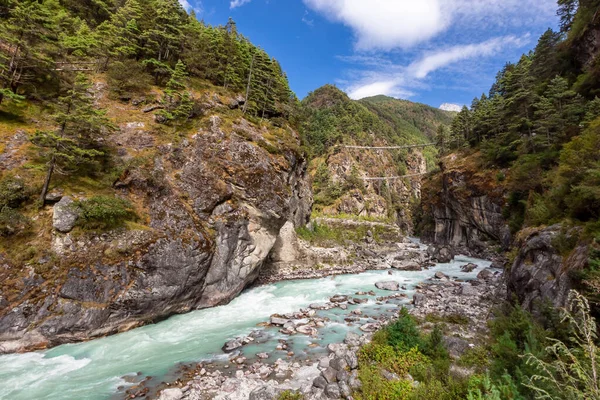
(104, 212)
(12, 222)
(13, 192)
(289, 395)
(403, 333)
(571, 373)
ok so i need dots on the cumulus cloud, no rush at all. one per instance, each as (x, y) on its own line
(237, 3)
(399, 80)
(385, 24)
(390, 24)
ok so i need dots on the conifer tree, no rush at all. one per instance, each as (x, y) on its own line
(24, 34)
(76, 140)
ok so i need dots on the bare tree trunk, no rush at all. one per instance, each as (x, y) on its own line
(47, 181)
(248, 85)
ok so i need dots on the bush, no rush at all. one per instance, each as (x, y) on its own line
(12, 192)
(403, 333)
(12, 222)
(572, 370)
(104, 212)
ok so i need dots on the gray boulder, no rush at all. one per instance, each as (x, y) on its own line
(265, 393)
(388, 285)
(65, 215)
(470, 267)
(333, 391)
(419, 299)
(486, 274)
(171, 394)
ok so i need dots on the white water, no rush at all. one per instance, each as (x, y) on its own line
(94, 370)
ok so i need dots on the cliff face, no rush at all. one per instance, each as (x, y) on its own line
(462, 207)
(539, 273)
(214, 204)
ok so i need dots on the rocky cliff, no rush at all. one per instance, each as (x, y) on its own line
(211, 205)
(540, 274)
(462, 207)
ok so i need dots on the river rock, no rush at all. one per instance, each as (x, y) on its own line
(468, 290)
(330, 375)
(333, 391)
(419, 299)
(338, 298)
(232, 345)
(440, 275)
(320, 382)
(486, 274)
(388, 285)
(338, 363)
(278, 320)
(265, 393)
(262, 356)
(171, 394)
(345, 390)
(65, 215)
(470, 267)
(370, 327)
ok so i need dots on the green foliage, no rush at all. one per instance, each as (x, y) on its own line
(290, 395)
(78, 137)
(572, 369)
(127, 78)
(12, 222)
(13, 192)
(104, 212)
(124, 37)
(329, 236)
(403, 333)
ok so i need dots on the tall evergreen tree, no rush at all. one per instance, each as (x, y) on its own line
(76, 140)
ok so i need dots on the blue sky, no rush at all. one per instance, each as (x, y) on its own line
(430, 51)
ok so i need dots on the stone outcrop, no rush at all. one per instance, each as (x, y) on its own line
(539, 273)
(215, 202)
(462, 207)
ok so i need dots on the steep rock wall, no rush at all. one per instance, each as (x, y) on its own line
(215, 204)
(539, 273)
(462, 207)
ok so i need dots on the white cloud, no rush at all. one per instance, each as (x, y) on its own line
(389, 88)
(433, 61)
(390, 24)
(400, 81)
(451, 107)
(237, 3)
(385, 24)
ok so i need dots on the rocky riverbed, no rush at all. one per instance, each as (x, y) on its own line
(329, 371)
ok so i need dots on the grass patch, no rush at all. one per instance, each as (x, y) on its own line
(456, 319)
(326, 236)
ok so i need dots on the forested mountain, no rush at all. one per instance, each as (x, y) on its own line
(342, 176)
(137, 42)
(538, 124)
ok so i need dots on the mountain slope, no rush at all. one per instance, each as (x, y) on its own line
(341, 175)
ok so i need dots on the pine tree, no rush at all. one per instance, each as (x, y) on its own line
(23, 34)
(177, 101)
(566, 12)
(164, 37)
(75, 141)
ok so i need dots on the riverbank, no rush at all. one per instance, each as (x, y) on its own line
(332, 373)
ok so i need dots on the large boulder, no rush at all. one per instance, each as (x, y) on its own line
(65, 215)
(388, 285)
